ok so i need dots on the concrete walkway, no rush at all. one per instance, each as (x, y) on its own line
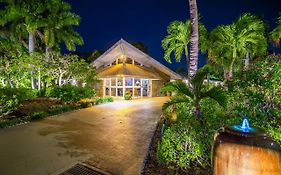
(113, 137)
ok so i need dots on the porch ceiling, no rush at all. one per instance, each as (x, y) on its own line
(127, 70)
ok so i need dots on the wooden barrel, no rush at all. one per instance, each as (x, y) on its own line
(245, 153)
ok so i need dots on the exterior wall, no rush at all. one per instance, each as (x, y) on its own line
(156, 86)
(99, 87)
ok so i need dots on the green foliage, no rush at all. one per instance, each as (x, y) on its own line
(103, 100)
(188, 129)
(72, 93)
(275, 35)
(11, 98)
(197, 91)
(256, 94)
(108, 99)
(38, 115)
(180, 146)
(178, 39)
(12, 122)
(128, 95)
(229, 44)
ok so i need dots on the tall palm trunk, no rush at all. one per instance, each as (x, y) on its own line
(230, 74)
(247, 61)
(187, 58)
(31, 45)
(47, 52)
(194, 38)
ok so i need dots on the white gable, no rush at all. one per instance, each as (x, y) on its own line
(122, 47)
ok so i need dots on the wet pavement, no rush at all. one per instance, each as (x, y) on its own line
(113, 137)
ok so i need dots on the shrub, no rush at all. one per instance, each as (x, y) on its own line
(103, 100)
(69, 93)
(55, 109)
(128, 95)
(108, 99)
(256, 94)
(11, 98)
(99, 101)
(12, 122)
(180, 147)
(38, 115)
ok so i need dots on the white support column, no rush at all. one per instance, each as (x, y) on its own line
(116, 85)
(150, 88)
(104, 87)
(123, 86)
(141, 88)
(133, 93)
(110, 87)
(133, 62)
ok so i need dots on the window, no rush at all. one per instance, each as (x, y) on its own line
(128, 82)
(137, 82)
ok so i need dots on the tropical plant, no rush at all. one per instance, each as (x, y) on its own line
(128, 95)
(276, 33)
(198, 91)
(178, 39)
(71, 93)
(57, 28)
(25, 17)
(230, 43)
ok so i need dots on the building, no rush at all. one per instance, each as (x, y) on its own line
(124, 68)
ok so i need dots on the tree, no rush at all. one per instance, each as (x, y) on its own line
(195, 93)
(58, 22)
(24, 15)
(178, 39)
(230, 43)
(276, 33)
(194, 38)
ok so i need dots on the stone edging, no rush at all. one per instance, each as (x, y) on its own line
(149, 146)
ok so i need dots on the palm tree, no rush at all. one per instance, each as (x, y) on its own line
(230, 42)
(276, 33)
(195, 93)
(24, 15)
(194, 38)
(58, 22)
(178, 39)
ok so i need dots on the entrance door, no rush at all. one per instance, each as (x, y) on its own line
(145, 88)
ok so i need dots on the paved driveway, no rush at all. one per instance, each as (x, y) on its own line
(113, 137)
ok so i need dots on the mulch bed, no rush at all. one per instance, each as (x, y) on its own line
(154, 167)
(39, 104)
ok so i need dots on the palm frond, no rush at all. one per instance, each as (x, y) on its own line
(175, 100)
(217, 94)
(199, 77)
(178, 87)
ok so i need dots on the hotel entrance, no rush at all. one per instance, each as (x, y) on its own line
(138, 87)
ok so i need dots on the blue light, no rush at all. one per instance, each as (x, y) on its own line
(244, 127)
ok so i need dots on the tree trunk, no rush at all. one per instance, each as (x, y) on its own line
(197, 111)
(187, 59)
(230, 74)
(247, 61)
(48, 50)
(11, 83)
(31, 45)
(3, 83)
(194, 38)
(60, 79)
(39, 82)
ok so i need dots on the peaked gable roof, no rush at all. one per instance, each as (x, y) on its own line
(122, 47)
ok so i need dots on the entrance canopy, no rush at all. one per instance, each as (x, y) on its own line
(128, 70)
(143, 65)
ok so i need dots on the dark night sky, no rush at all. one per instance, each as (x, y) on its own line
(104, 22)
